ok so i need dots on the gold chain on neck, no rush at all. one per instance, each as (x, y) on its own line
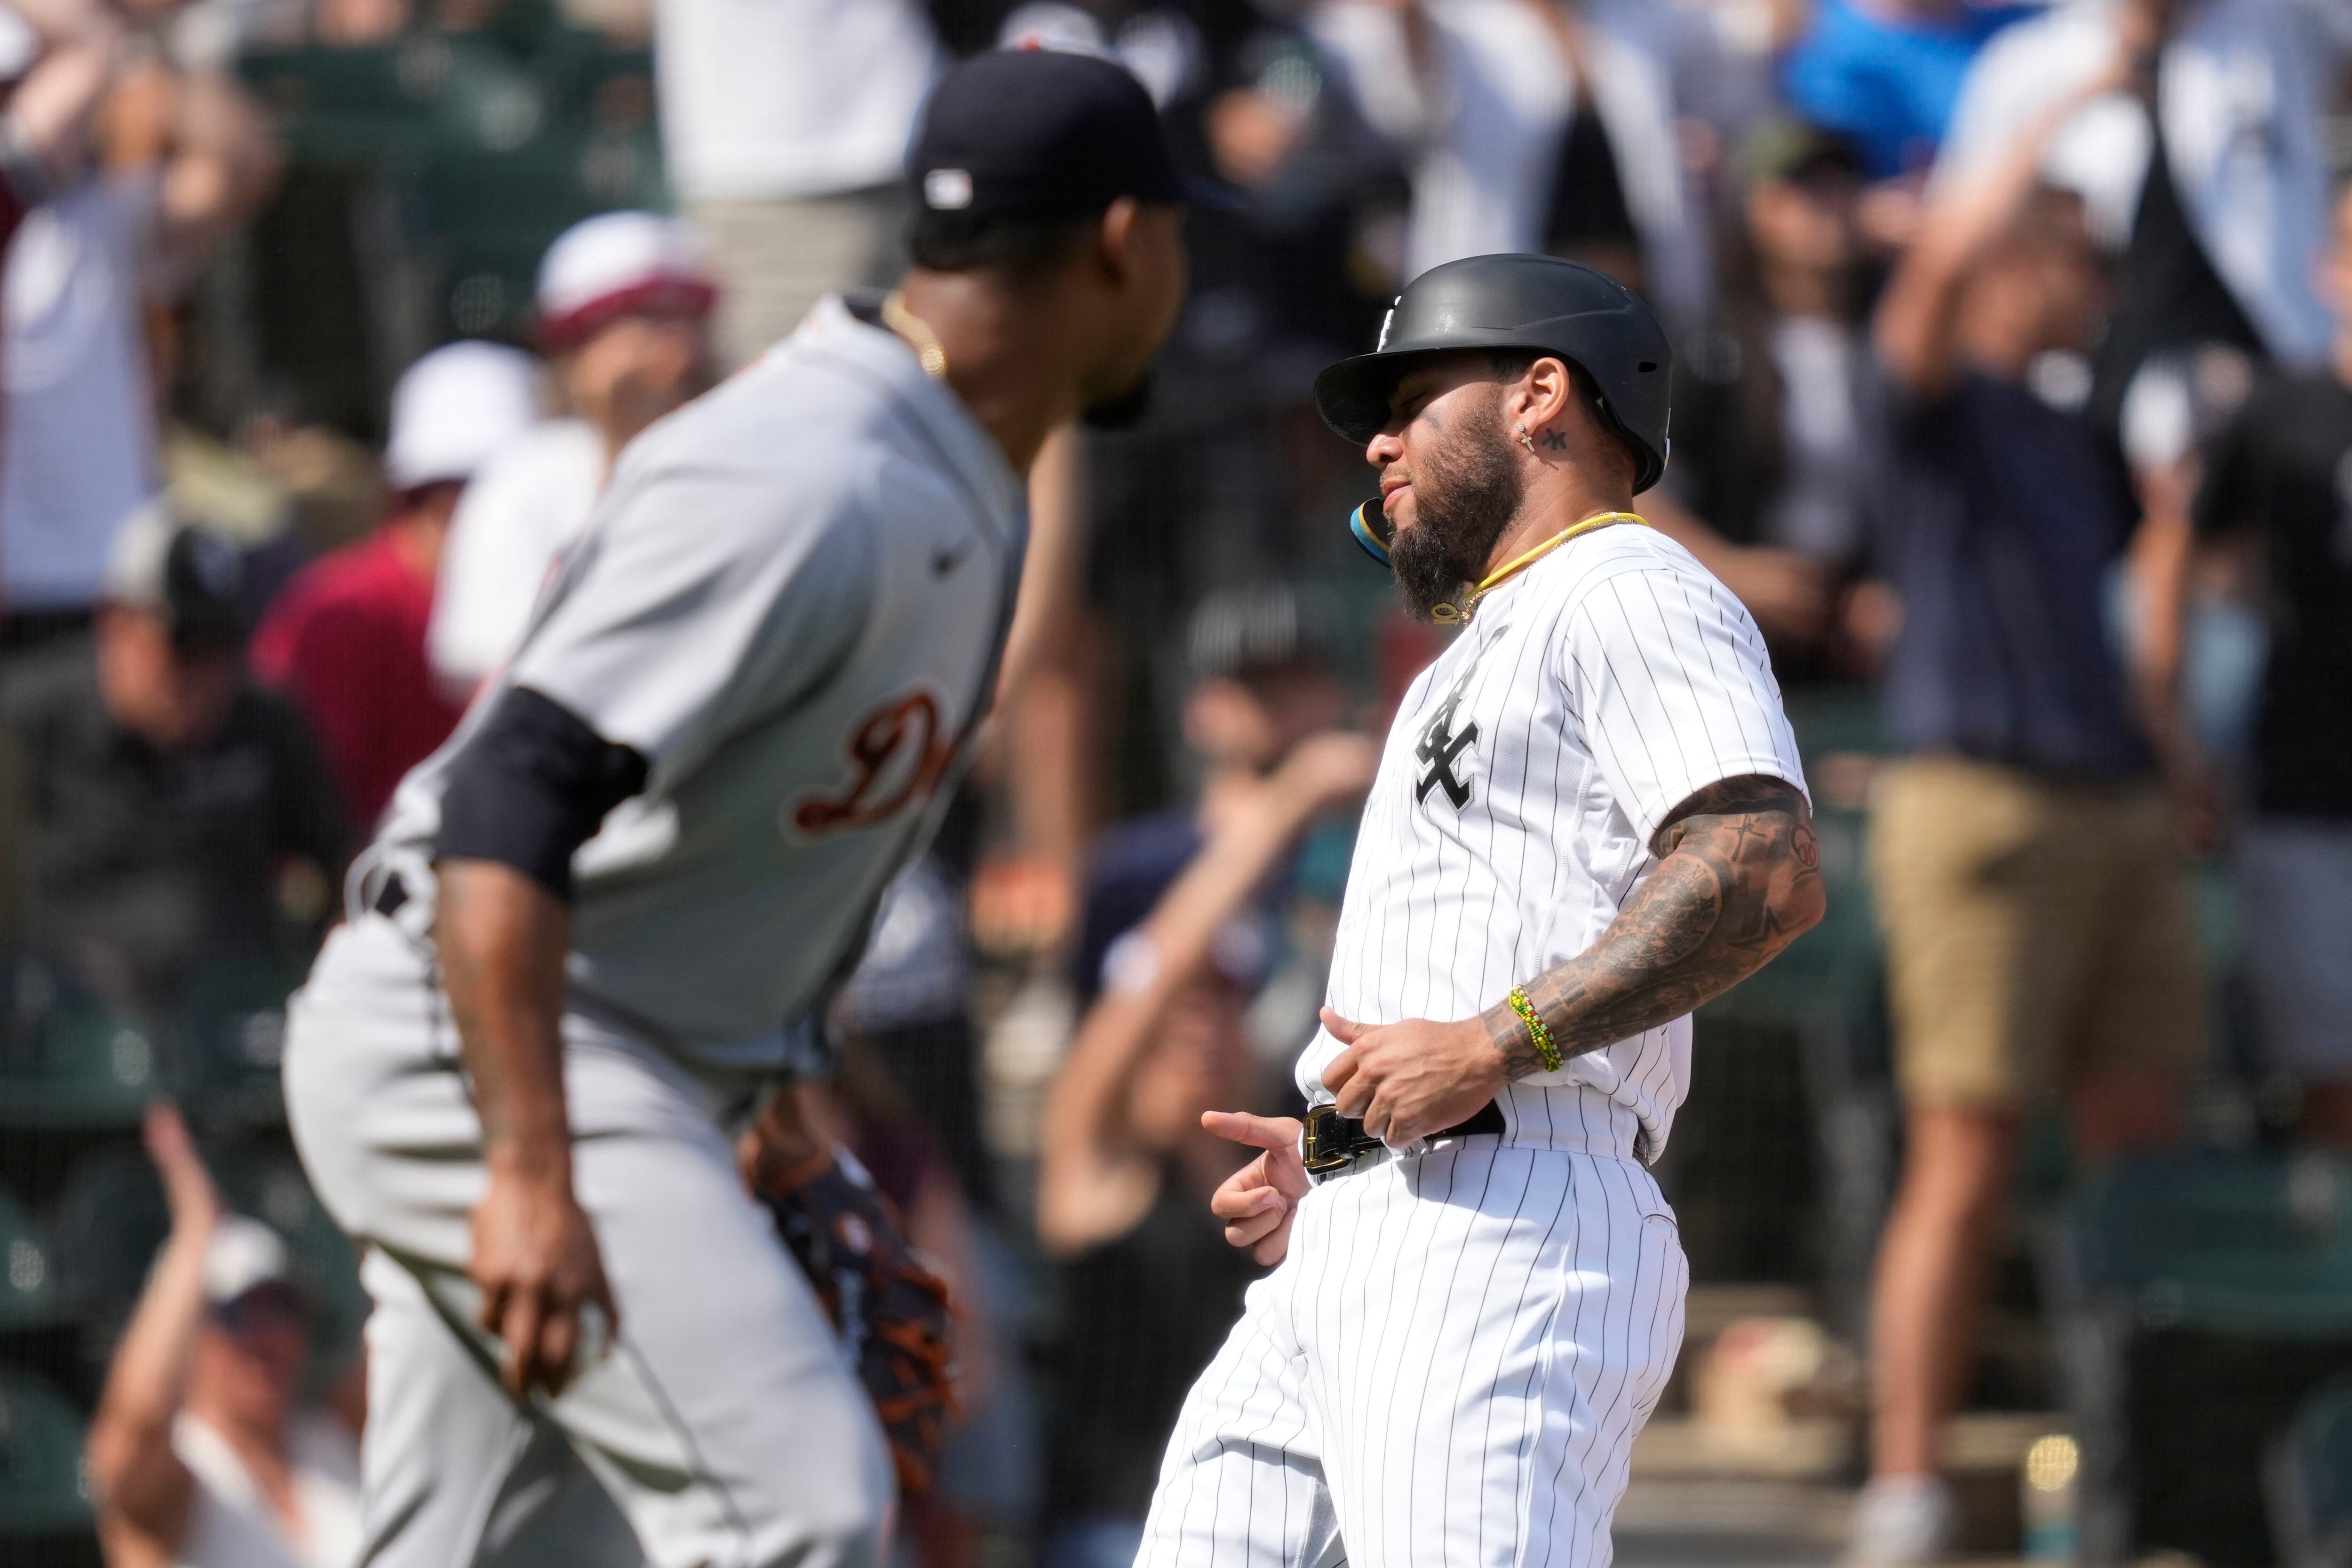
(918, 333)
(1447, 615)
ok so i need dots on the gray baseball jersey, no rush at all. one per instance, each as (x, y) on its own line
(791, 602)
(775, 602)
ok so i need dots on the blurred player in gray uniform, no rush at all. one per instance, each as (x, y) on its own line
(599, 922)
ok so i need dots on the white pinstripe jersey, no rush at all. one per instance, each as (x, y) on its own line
(1522, 779)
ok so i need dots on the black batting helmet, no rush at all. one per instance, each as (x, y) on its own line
(1537, 303)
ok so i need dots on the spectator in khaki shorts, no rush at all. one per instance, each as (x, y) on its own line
(2024, 854)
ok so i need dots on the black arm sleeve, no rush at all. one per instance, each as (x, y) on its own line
(532, 785)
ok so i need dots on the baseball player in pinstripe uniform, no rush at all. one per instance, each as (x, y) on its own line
(1587, 819)
(597, 925)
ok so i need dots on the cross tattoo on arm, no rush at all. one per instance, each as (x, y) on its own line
(1737, 880)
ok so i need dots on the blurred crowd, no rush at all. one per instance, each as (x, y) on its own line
(2013, 397)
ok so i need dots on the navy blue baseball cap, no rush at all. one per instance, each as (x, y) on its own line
(1043, 133)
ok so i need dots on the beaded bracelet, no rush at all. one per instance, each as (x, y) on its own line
(1538, 1032)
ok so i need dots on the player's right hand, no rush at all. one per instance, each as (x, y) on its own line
(537, 1262)
(1256, 1202)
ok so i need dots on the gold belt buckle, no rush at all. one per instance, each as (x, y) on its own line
(1330, 1145)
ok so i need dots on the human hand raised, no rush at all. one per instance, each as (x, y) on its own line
(1408, 1079)
(1257, 1202)
(188, 1189)
(1788, 594)
(1328, 770)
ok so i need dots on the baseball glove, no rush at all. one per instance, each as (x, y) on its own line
(888, 1304)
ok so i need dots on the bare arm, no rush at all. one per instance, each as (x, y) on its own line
(502, 939)
(2158, 565)
(1045, 689)
(142, 1489)
(223, 166)
(1093, 1185)
(2166, 557)
(1737, 880)
(1051, 574)
(49, 116)
(1788, 594)
(1916, 326)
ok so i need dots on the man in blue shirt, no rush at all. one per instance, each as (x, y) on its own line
(1887, 72)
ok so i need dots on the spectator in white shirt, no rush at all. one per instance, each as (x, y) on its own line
(624, 316)
(625, 309)
(78, 443)
(1531, 124)
(2229, 96)
(201, 1454)
(784, 125)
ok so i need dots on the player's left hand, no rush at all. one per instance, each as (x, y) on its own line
(1408, 1080)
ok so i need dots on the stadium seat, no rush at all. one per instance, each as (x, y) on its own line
(227, 1035)
(66, 1058)
(2309, 1473)
(349, 102)
(30, 1296)
(41, 1485)
(486, 147)
(2255, 1244)
(111, 1218)
(2213, 1283)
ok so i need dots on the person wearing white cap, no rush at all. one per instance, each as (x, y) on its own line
(346, 639)
(201, 1455)
(624, 304)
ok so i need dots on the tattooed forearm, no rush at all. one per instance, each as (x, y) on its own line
(1737, 880)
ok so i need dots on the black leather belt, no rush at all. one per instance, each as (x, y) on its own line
(1335, 1142)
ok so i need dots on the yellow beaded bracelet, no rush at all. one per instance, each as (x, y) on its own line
(1538, 1032)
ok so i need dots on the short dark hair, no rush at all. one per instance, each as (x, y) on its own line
(1509, 364)
(1020, 247)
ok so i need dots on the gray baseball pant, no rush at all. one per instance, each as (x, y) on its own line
(724, 1427)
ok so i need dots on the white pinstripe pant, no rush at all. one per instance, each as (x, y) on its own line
(1448, 1369)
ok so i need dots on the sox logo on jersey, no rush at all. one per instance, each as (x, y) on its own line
(1451, 1363)
(1447, 752)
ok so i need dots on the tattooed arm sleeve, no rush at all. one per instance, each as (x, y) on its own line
(1737, 880)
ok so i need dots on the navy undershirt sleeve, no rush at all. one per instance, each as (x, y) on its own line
(531, 786)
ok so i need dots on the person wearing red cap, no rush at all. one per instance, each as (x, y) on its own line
(624, 305)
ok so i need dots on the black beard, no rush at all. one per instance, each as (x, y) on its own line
(1465, 494)
(1123, 412)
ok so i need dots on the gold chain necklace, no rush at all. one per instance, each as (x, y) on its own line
(1447, 615)
(918, 333)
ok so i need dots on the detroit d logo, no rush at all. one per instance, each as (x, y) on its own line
(1447, 761)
